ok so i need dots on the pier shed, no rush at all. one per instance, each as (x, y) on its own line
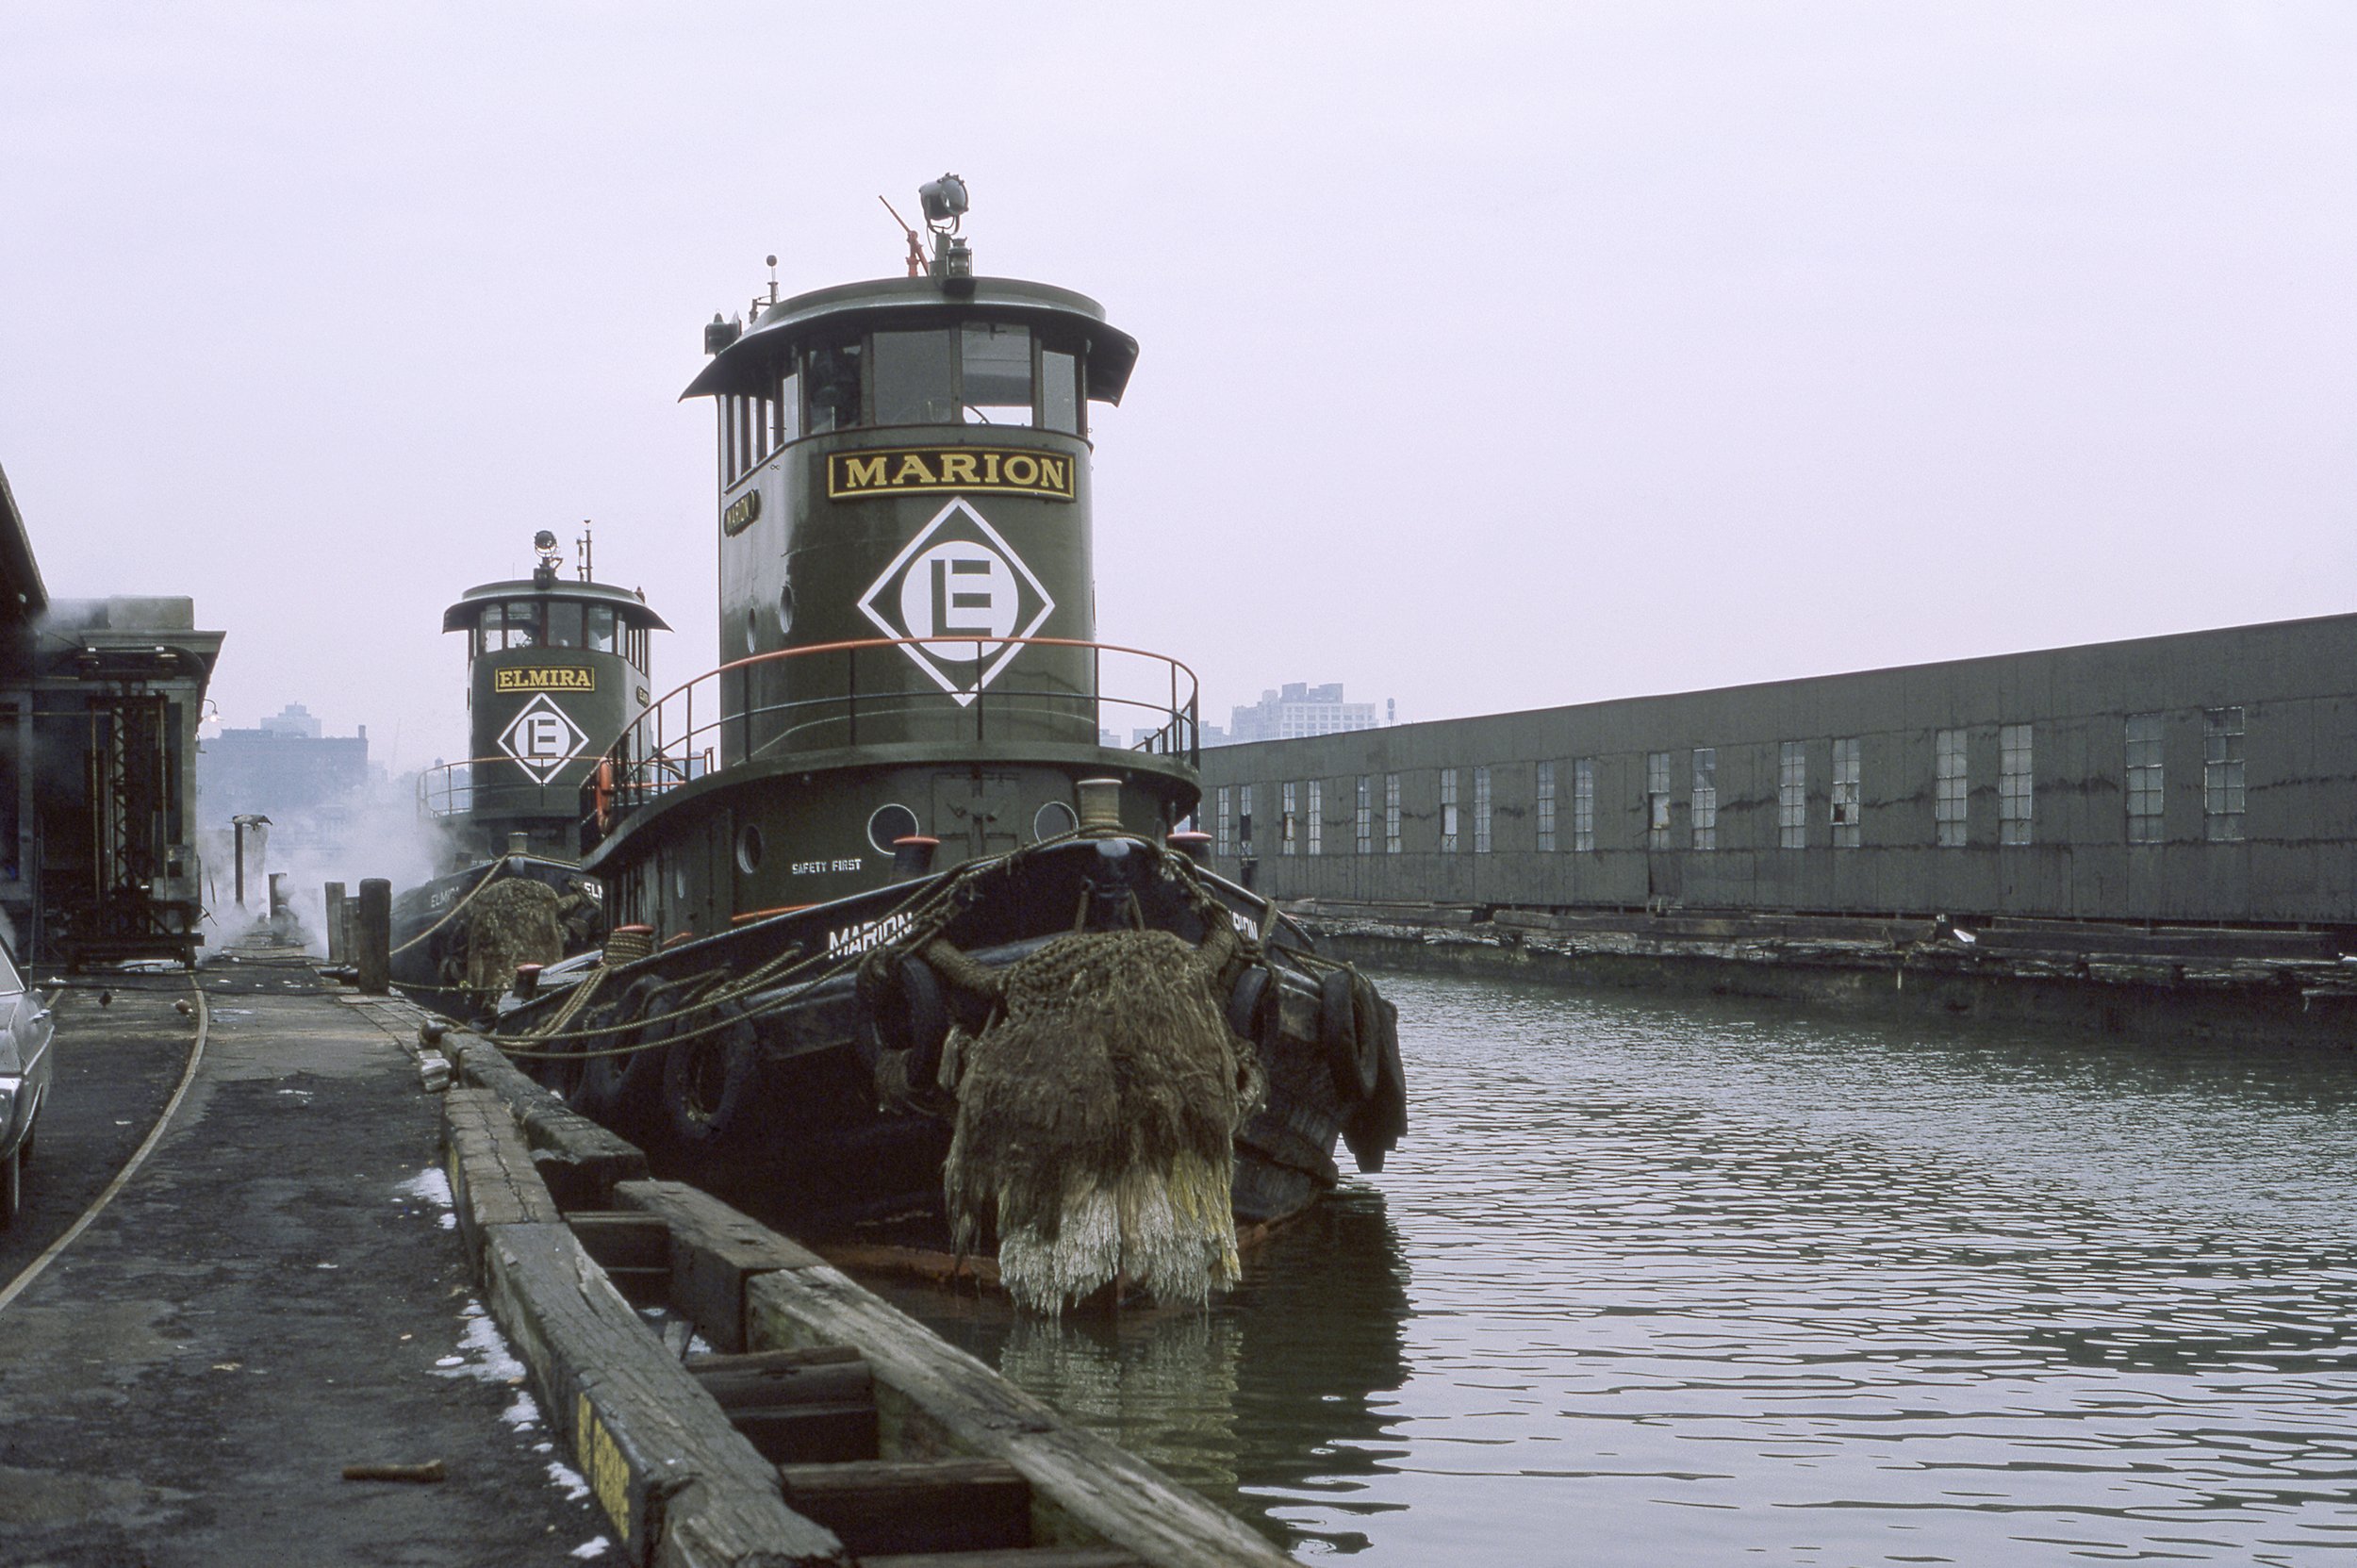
(2207, 777)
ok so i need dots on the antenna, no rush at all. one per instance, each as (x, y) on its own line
(584, 550)
(773, 279)
(917, 246)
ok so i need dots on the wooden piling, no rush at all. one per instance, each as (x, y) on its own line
(373, 952)
(333, 920)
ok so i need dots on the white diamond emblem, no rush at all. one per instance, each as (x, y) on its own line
(959, 578)
(543, 739)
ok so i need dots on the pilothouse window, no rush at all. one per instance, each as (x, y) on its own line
(830, 378)
(1060, 402)
(599, 638)
(523, 623)
(998, 367)
(913, 377)
(564, 625)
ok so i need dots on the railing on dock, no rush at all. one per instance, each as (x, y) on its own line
(726, 716)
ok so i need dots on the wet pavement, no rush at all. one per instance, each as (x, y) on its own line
(277, 1293)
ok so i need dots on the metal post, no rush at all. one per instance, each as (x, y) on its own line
(335, 922)
(373, 950)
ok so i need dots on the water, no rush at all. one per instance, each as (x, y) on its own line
(1702, 1283)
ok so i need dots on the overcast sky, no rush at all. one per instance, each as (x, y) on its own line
(1493, 356)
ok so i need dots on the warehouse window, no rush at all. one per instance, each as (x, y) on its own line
(1448, 811)
(1364, 820)
(1947, 781)
(1584, 803)
(1318, 814)
(2221, 774)
(1243, 817)
(1656, 799)
(2013, 784)
(1706, 811)
(1481, 810)
(1546, 807)
(1849, 808)
(1391, 814)
(1793, 794)
(2144, 778)
(1227, 844)
(1287, 832)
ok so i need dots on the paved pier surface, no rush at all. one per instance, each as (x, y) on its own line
(273, 1294)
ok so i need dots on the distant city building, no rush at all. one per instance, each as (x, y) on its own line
(1298, 711)
(280, 769)
(295, 719)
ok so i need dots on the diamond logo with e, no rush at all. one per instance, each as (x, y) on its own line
(543, 739)
(959, 578)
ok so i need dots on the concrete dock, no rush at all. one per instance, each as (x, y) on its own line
(277, 1292)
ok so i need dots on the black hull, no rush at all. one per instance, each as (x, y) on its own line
(799, 1138)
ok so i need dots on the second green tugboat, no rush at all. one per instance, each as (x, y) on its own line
(911, 942)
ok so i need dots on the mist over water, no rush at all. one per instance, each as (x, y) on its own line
(1700, 1282)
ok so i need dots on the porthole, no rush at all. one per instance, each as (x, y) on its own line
(890, 822)
(785, 609)
(748, 848)
(1053, 819)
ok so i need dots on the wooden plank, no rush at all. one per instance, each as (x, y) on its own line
(770, 1377)
(491, 1179)
(933, 1399)
(715, 1250)
(678, 1482)
(579, 1160)
(916, 1506)
(1019, 1557)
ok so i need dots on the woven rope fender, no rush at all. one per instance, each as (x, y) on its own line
(516, 920)
(1096, 1123)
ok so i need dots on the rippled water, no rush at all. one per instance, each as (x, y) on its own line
(1696, 1283)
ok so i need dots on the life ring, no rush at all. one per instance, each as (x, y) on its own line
(711, 1079)
(601, 794)
(1353, 1043)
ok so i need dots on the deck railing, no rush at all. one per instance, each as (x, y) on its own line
(498, 784)
(696, 728)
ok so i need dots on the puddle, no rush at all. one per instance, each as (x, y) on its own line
(432, 1185)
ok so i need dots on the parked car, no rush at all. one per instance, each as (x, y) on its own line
(25, 1067)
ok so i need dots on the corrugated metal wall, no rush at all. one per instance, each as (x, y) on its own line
(2294, 861)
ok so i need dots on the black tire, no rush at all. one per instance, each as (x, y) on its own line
(904, 1007)
(712, 1079)
(620, 1090)
(1353, 1048)
(1243, 1003)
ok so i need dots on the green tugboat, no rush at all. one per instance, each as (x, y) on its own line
(556, 664)
(913, 939)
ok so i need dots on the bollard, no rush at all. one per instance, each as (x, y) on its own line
(372, 953)
(335, 922)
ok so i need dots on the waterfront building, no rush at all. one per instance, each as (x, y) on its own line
(279, 768)
(2206, 777)
(99, 699)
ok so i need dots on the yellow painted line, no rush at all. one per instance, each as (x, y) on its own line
(138, 1157)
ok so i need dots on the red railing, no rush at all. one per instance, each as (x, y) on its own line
(696, 727)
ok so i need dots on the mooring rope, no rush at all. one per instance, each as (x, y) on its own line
(489, 873)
